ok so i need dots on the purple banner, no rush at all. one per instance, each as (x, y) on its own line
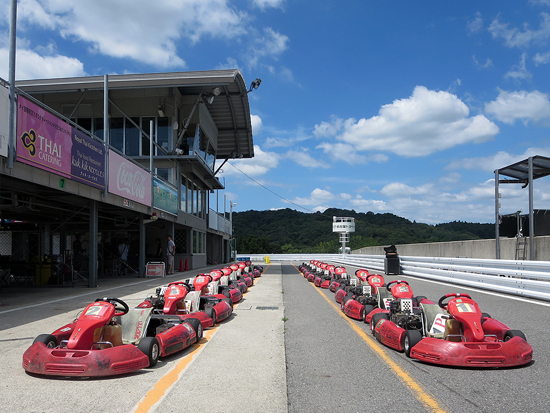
(87, 160)
(43, 140)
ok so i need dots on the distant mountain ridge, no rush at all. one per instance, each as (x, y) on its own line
(288, 231)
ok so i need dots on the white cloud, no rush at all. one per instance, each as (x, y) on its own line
(303, 158)
(425, 123)
(496, 161)
(321, 199)
(31, 65)
(328, 129)
(256, 124)
(343, 152)
(271, 44)
(541, 58)
(137, 29)
(488, 63)
(519, 71)
(476, 24)
(264, 4)
(259, 165)
(523, 105)
(398, 189)
(514, 37)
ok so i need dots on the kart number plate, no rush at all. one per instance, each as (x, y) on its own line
(366, 290)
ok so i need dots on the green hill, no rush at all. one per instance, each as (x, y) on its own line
(289, 231)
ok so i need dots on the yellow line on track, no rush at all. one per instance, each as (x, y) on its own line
(163, 386)
(430, 403)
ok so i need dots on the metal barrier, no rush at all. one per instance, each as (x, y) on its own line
(522, 278)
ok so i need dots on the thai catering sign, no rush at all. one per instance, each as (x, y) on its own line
(128, 180)
(46, 142)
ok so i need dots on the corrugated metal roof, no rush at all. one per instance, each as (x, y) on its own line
(520, 170)
(230, 110)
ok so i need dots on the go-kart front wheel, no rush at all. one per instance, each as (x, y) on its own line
(210, 312)
(151, 348)
(375, 319)
(49, 340)
(513, 333)
(410, 339)
(197, 326)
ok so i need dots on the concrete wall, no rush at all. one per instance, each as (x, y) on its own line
(467, 249)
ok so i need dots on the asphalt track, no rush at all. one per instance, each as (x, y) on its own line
(288, 347)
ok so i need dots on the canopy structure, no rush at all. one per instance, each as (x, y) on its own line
(523, 172)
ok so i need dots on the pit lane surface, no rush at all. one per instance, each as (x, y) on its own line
(240, 366)
(364, 383)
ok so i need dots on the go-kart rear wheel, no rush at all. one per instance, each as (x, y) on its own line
(368, 309)
(227, 292)
(49, 340)
(228, 301)
(513, 333)
(210, 312)
(410, 339)
(197, 326)
(375, 319)
(151, 348)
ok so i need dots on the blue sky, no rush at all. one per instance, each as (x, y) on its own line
(397, 106)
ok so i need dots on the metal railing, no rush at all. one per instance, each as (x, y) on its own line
(521, 278)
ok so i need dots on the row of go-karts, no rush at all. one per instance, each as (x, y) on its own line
(451, 332)
(108, 338)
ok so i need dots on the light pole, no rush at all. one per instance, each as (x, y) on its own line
(231, 205)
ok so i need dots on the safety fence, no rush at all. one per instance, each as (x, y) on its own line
(521, 278)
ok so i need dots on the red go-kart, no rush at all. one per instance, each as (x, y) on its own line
(107, 339)
(362, 299)
(457, 333)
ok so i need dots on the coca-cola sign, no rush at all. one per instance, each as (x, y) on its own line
(128, 180)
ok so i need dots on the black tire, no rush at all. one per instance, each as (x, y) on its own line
(210, 312)
(420, 298)
(375, 319)
(151, 348)
(483, 315)
(49, 340)
(410, 339)
(368, 309)
(514, 333)
(346, 298)
(243, 288)
(227, 292)
(197, 326)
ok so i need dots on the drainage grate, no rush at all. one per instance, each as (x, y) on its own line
(267, 308)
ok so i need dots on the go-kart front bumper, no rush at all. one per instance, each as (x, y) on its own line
(39, 359)
(514, 352)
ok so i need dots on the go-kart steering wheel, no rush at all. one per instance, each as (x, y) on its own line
(388, 286)
(452, 295)
(115, 301)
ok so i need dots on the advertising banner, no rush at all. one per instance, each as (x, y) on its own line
(4, 115)
(165, 197)
(129, 180)
(43, 140)
(87, 160)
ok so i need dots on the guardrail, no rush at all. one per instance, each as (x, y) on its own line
(521, 278)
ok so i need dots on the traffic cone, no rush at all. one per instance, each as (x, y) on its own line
(181, 264)
(186, 265)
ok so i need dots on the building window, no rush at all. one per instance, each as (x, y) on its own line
(183, 194)
(199, 242)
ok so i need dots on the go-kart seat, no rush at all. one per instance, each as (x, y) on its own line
(383, 293)
(213, 287)
(224, 280)
(192, 301)
(131, 321)
(109, 333)
(453, 330)
(430, 312)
